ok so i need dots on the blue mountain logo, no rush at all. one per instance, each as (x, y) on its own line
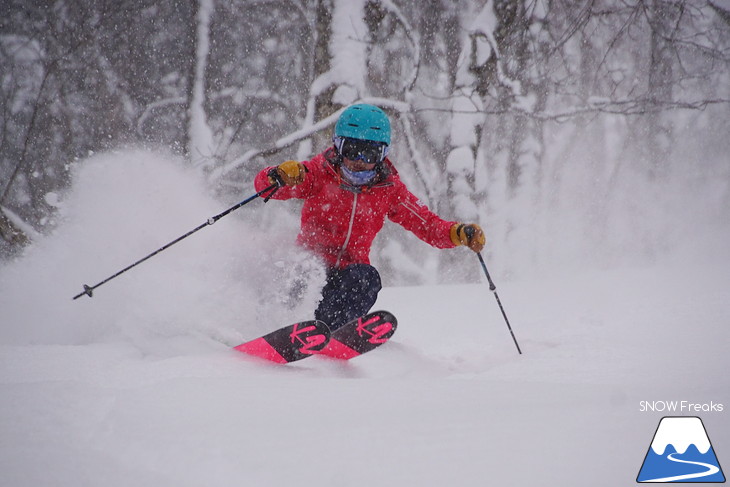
(681, 452)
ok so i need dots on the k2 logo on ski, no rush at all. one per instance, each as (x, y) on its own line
(681, 452)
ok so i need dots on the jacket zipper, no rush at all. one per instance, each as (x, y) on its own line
(349, 231)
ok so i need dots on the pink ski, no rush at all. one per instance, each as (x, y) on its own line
(289, 344)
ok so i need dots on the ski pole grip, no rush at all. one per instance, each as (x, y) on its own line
(275, 177)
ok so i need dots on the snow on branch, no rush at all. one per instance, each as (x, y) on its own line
(413, 36)
(13, 229)
(303, 133)
(482, 29)
(178, 100)
(280, 144)
(629, 106)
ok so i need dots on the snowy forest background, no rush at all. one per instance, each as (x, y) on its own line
(577, 132)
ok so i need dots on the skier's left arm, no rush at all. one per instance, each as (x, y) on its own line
(409, 212)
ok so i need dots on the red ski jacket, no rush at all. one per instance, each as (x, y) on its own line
(340, 222)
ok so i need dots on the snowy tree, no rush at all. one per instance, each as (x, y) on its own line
(505, 112)
(200, 136)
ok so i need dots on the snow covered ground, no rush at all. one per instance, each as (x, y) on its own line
(134, 386)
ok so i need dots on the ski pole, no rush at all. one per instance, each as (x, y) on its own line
(89, 290)
(493, 288)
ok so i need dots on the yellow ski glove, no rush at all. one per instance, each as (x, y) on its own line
(469, 234)
(289, 173)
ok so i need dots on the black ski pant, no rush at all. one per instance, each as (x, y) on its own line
(348, 294)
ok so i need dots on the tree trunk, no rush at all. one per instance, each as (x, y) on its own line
(323, 105)
(200, 137)
(664, 16)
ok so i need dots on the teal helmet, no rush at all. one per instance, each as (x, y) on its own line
(364, 122)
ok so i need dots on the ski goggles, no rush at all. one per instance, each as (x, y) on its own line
(366, 151)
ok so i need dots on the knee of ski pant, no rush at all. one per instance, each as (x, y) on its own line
(348, 294)
(361, 278)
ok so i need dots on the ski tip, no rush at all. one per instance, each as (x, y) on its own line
(290, 343)
(262, 349)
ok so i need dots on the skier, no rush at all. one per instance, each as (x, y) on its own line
(348, 190)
